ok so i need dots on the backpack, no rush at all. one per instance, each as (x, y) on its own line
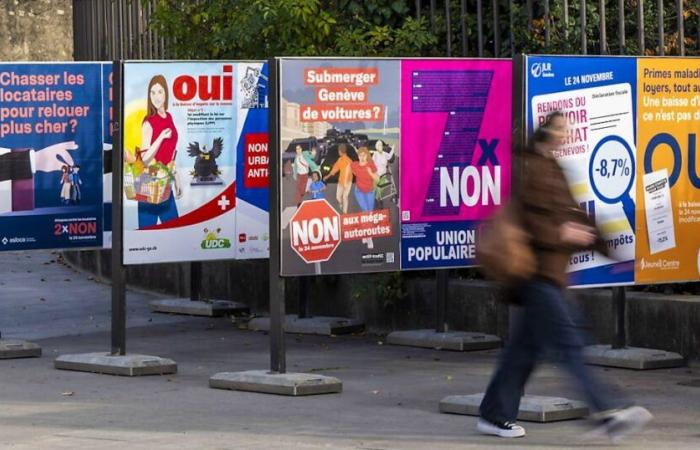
(503, 247)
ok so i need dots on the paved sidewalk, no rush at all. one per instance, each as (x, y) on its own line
(389, 401)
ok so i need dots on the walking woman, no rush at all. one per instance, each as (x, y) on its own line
(558, 228)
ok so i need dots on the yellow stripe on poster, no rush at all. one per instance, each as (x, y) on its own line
(579, 189)
(615, 226)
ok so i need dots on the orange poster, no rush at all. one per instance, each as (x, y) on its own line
(668, 185)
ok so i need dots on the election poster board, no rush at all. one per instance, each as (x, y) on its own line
(456, 156)
(180, 135)
(668, 186)
(253, 158)
(50, 155)
(339, 155)
(629, 157)
(598, 97)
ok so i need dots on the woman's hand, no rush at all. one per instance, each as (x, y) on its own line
(576, 234)
(129, 157)
(165, 134)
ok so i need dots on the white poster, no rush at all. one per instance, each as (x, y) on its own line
(181, 134)
(598, 159)
(659, 214)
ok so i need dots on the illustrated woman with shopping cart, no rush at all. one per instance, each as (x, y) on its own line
(156, 159)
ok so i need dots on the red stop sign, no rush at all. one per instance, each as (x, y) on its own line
(314, 231)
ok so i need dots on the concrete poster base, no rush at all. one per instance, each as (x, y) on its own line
(12, 349)
(533, 408)
(292, 384)
(632, 358)
(128, 365)
(324, 326)
(460, 341)
(185, 306)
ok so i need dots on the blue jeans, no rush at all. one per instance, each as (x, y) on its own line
(547, 322)
(365, 199)
(150, 213)
(75, 193)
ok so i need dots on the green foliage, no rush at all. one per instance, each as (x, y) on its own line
(389, 13)
(262, 28)
(410, 39)
(387, 289)
(565, 38)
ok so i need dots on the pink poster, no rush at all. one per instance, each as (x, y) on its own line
(456, 121)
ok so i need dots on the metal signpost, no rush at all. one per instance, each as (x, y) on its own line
(117, 361)
(277, 380)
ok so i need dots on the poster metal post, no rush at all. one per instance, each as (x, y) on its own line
(441, 281)
(276, 380)
(117, 362)
(439, 336)
(195, 281)
(277, 285)
(619, 300)
(304, 291)
(118, 272)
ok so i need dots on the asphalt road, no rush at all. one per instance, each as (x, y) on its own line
(390, 397)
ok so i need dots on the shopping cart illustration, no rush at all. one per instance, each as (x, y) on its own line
(386, 187)
(149, 188)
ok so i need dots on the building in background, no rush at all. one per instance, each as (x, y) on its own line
(36, 30)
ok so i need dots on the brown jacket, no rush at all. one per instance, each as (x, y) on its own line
(547, 204)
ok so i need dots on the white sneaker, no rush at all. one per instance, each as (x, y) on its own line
(617, 424)
(504, 429)
(627, 421)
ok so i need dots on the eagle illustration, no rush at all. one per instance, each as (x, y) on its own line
(205, 163)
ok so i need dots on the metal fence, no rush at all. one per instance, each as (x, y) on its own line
(115, 29)
(118, 29)
(491, 27)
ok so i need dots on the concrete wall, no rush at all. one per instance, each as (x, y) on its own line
(240, 281)
(653, 320)
(36, 30)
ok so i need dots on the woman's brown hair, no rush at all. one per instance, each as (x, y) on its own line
(364, 149)
(158, 79)
(543, 134)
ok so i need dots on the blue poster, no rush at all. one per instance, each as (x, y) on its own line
(598, 97)
(50, 156)
(252, 175)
